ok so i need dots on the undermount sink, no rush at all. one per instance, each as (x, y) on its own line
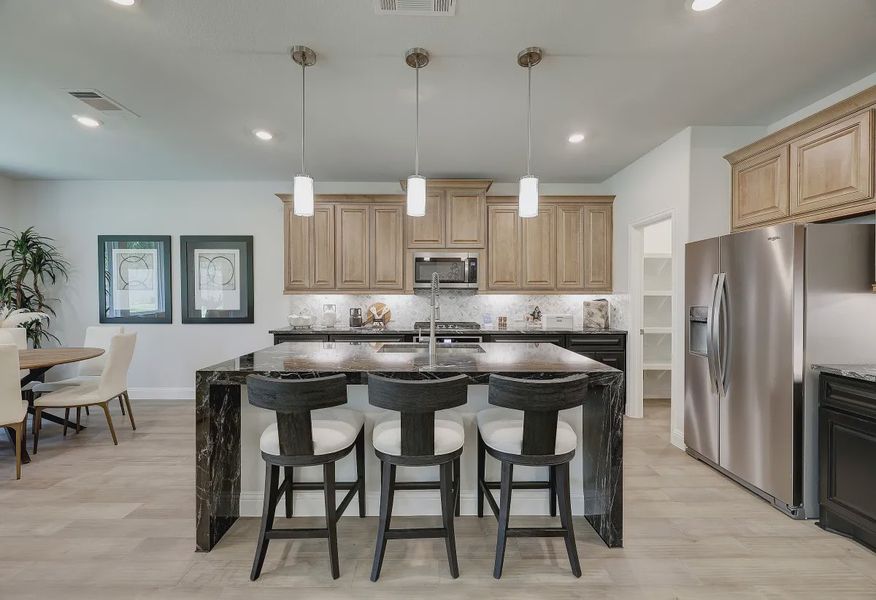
(441, 349)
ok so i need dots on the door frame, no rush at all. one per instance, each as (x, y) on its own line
(636, 253)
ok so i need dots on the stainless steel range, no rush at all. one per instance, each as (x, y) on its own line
(449, 332)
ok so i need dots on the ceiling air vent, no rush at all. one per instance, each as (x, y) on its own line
(99, 101)
(416, 8)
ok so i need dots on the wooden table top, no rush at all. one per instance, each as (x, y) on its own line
(42, 358)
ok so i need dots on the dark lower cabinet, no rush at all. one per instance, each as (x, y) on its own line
(847, 457)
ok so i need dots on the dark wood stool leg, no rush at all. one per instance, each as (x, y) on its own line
(565, 500)
(552, 489)
(447, 510)
(78, 415)
(331, 520)
(288, 495)
(504, 515)
(457, 483)
(66, 420)
(87, 412)
(387, 489)
(37, 421)
(482, 459)
(360, 471)
(272, 478)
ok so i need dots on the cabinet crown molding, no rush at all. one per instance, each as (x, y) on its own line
(457, 184)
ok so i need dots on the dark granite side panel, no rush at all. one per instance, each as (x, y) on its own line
(217, 470)
(602, 446)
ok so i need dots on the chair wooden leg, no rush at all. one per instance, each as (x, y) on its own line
(269, 505)
(565, 501)
(37, 414)
(360, 471)
(87, 412)
(66, 420)
(78, 414)
(109, 421)
(482, 459)
(552, 489)
(448, 507)
(387, 489)
(457, 479)
(130, 412)
(331, 519)
(18, 441)
(504, 515)
(288, 496)
(122, 404)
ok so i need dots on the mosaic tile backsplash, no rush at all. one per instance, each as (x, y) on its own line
(462, 305)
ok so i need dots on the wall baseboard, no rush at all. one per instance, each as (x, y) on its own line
(677, 438)
(161, 393)
(408, 503)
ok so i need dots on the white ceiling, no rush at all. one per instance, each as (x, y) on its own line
(203, 73)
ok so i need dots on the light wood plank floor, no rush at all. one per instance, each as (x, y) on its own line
(90, 520)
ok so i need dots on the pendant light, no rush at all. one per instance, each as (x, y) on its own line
(527, 202)
(302, 189)
(417, 58)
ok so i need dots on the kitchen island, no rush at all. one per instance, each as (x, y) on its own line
(219, 402)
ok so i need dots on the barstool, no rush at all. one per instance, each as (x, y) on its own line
(419, 436)
(526, 430)
(308, 432)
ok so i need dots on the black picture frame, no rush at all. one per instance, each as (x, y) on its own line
(241, 277)
(109, 275)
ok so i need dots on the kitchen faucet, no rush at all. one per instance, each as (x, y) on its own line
(436, 310)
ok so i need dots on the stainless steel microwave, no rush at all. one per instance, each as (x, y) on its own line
(455, 269)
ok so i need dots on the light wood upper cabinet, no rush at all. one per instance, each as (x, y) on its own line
(387, 247)
(297, 250)
(598, 247)
(466, 212)
(538, 257)
(323, 247)
(353, 235)
(832, 166)
(503, 252)
(428, 231)
(570, 247)
(760, 188)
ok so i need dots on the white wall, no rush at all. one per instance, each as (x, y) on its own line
(837, 96)
(76, 212)
(658, 238)
(8, 207)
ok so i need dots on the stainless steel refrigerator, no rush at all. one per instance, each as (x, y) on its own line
(762, 306)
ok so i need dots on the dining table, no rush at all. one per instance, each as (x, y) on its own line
(39, 360)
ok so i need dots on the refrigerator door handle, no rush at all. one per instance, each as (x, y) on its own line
(711, 346)
(719, 342)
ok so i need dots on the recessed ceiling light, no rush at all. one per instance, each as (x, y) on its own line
(576, 138)
(263, 134)
(125, 2)
(701, 5)
(87, 121)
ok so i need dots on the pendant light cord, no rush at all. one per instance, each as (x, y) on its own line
(303, 99)
(528, 118)
(417, 127)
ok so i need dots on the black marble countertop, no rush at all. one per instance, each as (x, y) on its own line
(362, 357)
(409, 331)
(862, 372)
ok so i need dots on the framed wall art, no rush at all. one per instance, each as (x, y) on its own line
(133, 274)
(217, 279)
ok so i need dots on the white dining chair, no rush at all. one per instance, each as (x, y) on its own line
(88, 371)
(18, 337)
(13, 411)
(112, 384)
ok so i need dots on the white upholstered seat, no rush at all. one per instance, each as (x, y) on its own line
(449, 433)
(88, 370)
(12, 410)
(16, 336)
(333, 429)
(502, 430)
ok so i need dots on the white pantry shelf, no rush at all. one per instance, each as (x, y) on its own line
(657, 330)
(657, 366)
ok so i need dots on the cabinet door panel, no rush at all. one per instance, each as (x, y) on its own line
(352, 233)
(466, 213)
(832, 166)
(428, 231)
(323, 274)
(597, 247)
(298, 255)
(570, 247)
(760, 188)
(503, 258)
(539, 254)
(387, 251)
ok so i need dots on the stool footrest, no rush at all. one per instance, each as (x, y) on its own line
(536, 531)
(291, 534)
(521, 485)
(416, 533)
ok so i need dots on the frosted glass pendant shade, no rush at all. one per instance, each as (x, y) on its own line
(416, 196)
(527, 203)
(302, 196)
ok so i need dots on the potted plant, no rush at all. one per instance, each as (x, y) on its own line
(29, 263)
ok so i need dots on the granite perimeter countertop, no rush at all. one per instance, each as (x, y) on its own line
(412, 331)
(862, 372)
